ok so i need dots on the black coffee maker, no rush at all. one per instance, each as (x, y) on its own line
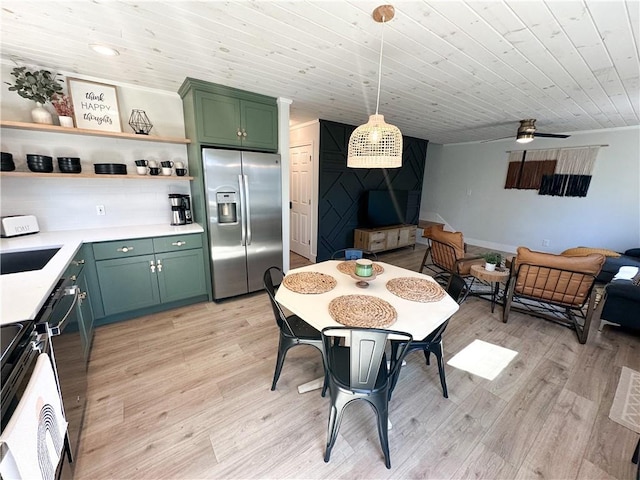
(180, 209)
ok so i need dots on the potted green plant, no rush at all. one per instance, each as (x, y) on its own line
(39, 86)
(491, 260)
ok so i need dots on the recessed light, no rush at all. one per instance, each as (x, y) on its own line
(104, 50)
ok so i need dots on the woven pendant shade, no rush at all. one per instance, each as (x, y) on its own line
(376, 144)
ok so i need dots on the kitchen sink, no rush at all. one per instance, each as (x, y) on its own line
(25, 261)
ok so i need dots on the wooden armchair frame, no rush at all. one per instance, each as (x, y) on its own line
(561, 295)
(447, 258)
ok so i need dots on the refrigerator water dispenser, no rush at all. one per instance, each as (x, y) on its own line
(227, 207)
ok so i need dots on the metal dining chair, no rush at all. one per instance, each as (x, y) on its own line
(432, 343)
(359, 372)
(353, 254)
(293, 330)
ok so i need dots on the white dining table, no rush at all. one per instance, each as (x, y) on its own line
(417, 318)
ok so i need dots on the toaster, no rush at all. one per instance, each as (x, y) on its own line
(15, 225)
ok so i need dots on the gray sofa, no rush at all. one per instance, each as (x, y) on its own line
(611, 265)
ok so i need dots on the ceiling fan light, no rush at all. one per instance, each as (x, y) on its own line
(376, 144)
(524, 137)
(104, 50)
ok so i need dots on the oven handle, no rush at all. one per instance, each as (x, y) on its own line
(72, 290)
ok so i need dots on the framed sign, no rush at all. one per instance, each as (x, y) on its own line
(95, 105)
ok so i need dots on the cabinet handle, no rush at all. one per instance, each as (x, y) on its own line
(78, 262)
(179, 243)
(152, 266)
(239, 133)
(244, 133)
(159, 265)
(125, 249)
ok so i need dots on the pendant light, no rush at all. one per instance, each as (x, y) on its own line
(376, 144)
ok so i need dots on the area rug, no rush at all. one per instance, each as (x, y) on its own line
(626, 403)
(483, 359)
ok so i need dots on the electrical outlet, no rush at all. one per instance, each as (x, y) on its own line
(545, 243)
(100, 210)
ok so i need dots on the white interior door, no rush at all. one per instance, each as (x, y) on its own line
(300, 212)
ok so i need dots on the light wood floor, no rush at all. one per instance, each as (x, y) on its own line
(186, 394)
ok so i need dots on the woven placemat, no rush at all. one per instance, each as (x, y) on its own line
(416, 289)
(309, 282)
(348, 267)
(362, 311)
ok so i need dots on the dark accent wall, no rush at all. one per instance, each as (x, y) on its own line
(341, 189)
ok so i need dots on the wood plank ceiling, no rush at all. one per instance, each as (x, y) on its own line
(452, 71)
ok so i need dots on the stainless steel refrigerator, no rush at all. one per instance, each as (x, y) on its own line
(244, 210)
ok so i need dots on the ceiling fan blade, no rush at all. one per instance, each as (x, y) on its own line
(550, 135)
(496, 139)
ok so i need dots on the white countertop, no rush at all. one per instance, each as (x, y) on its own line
(23, 294)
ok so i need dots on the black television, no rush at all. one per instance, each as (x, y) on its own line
(386, 207)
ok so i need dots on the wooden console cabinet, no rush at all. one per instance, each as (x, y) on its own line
(384, 238)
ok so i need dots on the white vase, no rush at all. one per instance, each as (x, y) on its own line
(41, 115)
(65, 121)
(489, 267)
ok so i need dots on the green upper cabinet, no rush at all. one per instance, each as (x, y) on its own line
(222, 116)
(259, 125)
(218, 119)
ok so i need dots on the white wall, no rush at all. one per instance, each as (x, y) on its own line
(67, 204)
(284, 106)
(464, 188)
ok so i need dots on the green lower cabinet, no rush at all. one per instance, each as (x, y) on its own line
(137, 282)
(128, 283)
(181, 275)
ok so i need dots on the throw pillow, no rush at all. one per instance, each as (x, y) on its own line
(581, 251)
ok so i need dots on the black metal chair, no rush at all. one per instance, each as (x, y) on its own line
(353, 254)
(359, 372)
(293, 330)
(432, 343)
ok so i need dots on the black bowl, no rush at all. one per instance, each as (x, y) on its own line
(39, 158)
(69, 168)
(7, 157)
(110, 168)
(69, 160)
(41, 168)
(7, 166)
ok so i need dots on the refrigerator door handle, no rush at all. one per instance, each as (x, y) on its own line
(243, 239)
(247, 208)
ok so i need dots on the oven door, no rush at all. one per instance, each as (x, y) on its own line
(70, 366)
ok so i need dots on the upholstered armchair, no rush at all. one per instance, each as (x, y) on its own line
(447, 253)
(554, 287)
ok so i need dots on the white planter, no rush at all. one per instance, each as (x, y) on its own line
(489, 267)
(41, 115)
(65, 121)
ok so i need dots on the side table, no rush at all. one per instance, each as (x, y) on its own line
(492, 278)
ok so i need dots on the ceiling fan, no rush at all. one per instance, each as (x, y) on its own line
(527, 130)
